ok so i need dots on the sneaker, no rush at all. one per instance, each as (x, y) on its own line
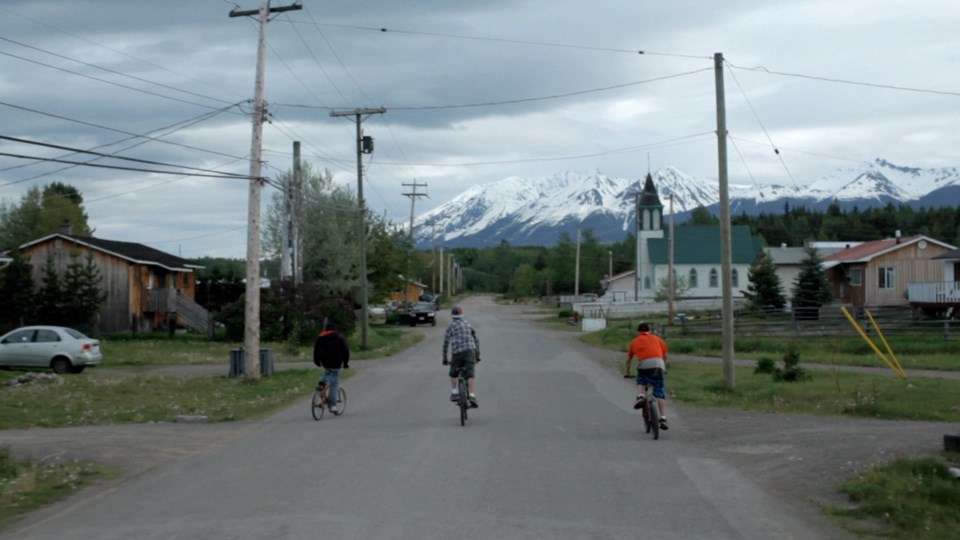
(473, 402)
(663, 424)
(335, 410)
(638, 404)
(454, 397)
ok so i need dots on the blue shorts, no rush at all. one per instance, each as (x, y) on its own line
(652, 377)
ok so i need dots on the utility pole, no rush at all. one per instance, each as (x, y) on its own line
(576, 272)
(251, 330)
(364, 146)
(297, 232)
(413, 200)
(671, 279)
(726, 257)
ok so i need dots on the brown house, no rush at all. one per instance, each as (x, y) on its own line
(879, 273)
(146, 288)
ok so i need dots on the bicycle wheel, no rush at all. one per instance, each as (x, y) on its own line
(645, 411)
(341, 401)
(655, 418)
(464, 403)
(316, 404)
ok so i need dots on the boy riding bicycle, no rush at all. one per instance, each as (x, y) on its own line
(651, 354)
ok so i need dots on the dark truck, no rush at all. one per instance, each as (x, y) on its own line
(423, 312)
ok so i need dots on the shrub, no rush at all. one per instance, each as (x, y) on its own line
(791, 372)
(765, 365)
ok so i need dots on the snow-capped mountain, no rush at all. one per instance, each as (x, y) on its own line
(533, 211)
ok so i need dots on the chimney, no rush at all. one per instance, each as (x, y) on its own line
(897, 235)
(65, 227)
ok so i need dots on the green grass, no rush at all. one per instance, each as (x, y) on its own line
(118, 399)
(29, 484)
(826, 393)
(188, 350)
(912, 352)
(909, 498)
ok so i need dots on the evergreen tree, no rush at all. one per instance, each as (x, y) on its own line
(764, 290)
(82, 293)
(16, 289)
(50, 298)
(811, 288)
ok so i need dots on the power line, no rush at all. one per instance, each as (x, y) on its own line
(516, 41)
(119, 168)
(523, 100)
(844, 81)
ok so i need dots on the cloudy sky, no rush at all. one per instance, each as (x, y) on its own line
(474, 91)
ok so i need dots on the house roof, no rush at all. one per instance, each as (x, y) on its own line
(950, 255)
(131, 251)
(869, 250)
(700, 244)
(786, 255)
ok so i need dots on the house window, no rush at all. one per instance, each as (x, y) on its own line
(713, 278)
(735, 278)
(856, 277)
(885, 278)
(693, 278)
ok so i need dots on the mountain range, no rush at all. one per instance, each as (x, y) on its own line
(534, 211)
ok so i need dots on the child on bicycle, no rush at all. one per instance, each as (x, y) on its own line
(461, 340)
(331, 352)
(651, 354)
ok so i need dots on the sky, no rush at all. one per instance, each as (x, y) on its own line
(474, 92)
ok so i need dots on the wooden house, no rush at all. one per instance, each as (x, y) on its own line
(146, 288)
(879, 273)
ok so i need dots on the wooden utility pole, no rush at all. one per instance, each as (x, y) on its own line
(726, 257)
(671, 280)
(251, 329)
(576, 272)
(297, 230)
(364, 146)
(413, 201)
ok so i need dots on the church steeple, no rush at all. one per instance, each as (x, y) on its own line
(649, 208)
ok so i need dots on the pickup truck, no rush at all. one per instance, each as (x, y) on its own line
(423, 312)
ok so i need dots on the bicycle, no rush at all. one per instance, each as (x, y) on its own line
(650, 410)
(318, 405)
(463, 401)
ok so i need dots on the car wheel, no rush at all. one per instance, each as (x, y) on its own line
(60, 365)
(77, 369)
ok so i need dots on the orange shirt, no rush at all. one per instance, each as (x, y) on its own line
(647, 345)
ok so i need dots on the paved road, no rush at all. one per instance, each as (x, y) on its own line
(554, 451)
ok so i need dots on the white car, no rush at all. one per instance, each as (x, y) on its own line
(64, 350)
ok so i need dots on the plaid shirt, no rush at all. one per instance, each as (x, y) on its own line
(460, 337)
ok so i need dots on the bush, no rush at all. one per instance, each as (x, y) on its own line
(765, 365)
(791, 372)
(565, 313)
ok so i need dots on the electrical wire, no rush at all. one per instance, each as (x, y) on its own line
(765, 132)
(763, 69)
(513, 41)
(119, 168)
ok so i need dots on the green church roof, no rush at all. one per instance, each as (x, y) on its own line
(700, 244)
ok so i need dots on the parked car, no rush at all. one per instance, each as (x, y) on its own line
(423, 312)
(64, 350)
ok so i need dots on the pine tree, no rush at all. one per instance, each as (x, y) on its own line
(16, 289)
(764, 290)
(811, 288)
(50, 298)
(82, 293)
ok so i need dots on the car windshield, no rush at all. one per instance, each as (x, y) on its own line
(423, 305)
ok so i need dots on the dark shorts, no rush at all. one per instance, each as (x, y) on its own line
(467, 360)
(652, 377)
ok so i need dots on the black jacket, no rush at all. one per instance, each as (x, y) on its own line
(331, 350)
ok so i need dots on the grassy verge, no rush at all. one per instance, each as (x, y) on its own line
(909, 498)
(913, 352)
(827, 393)
(116, 399)
(187, 350)
(26, 484)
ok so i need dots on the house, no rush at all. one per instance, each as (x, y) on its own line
(619, 287)
(939, 295)
(692, 250)
(789, 260)
(410, 293)
(146, 288)
(879, 273)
